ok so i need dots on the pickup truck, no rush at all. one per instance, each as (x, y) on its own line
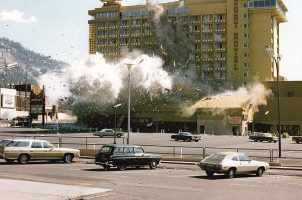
(108, 133)
(186, 136)
(297, 139)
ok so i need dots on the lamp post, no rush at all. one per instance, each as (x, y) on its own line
(116, 106)
(129, 66)
(277, 59)
(129, 99)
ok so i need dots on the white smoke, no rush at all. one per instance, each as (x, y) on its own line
(156, 9)
(249, 98)
(94, 80)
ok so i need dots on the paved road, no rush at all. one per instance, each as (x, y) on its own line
(165, 183)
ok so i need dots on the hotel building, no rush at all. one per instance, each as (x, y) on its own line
(228, 37)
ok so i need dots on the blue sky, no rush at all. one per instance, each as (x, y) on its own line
(59, 28)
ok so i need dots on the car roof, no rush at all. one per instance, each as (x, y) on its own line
(231, 153)
(27, 140)
(120, 145)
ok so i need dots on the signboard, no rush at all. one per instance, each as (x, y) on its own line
(235, 120)
(7, 101)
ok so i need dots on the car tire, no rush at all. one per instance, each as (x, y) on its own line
(100, 136)
(10, 161)
(259, 172)
(231, 173)
(153, 164)
(68, 158)
(23, 159)
(269, 141)
(275, 141)
(176, 139)
(210, 173)
(106, 168)
(196, 140)
(189, 140)
(122, 166)
(118, 135)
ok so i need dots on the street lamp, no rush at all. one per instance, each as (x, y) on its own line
(277, 59)
(129, 66)
(116, 106)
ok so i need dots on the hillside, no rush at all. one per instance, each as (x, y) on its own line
(19, 64)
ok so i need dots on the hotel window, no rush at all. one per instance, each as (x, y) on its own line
(245, 64)
(245, 45)
(245, 16)
(245, 35)
(290, 93)
(245, 25)
(245, 74)
(245, 55)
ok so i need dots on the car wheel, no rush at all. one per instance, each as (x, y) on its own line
(259, 171)
(269, 141)
(119, 135)
(176, 139)
(189, 140)
(122, 166)
(101, 136)
(255, 140)
(153, 164)
(23, 159)
(210, 173)
(275, 141)
(196, 140)
(68, 158)
(106, 168)
(9, 161)
(230, 173)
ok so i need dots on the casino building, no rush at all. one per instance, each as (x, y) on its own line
(228, 37)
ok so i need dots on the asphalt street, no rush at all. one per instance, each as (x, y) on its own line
(167, 182)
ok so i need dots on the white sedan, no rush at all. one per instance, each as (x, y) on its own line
(231, 163)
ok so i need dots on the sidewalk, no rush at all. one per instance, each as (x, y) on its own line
(28, 190)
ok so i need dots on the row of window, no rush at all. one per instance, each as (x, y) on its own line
(107, 15)
(261, 3)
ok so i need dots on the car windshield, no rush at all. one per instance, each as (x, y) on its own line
(105, 149)
(47, 145)
(4, 142)
(215, 158)
(18, 144)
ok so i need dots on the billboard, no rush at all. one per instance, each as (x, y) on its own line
(7, 101)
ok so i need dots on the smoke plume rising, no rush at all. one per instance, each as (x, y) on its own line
(93, 80)
(249, 98)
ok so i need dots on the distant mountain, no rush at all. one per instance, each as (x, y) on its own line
(18, 64)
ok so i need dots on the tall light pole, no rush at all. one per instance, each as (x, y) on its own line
(129, 99)
(116, 106)
(129, 66)
(277, 59)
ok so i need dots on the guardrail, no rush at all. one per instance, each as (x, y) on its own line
(175, 151)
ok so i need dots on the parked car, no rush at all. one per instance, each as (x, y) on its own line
(24, 150)
(108, 132)
(232, 163)
(259, 136)
(122, 156)
(186, 136)
(297, 139)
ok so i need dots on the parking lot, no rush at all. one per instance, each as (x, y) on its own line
(163, 144)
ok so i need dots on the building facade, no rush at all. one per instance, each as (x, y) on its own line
(227, 37)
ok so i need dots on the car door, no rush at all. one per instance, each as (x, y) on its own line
(234, 162)
(129, 156)
(36, 150)
(50, 151)
(245, 163)
(140, 159)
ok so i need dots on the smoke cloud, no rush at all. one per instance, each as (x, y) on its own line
(93, 80)
(249, 98)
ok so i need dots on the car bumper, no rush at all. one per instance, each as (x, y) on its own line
(212, 168)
